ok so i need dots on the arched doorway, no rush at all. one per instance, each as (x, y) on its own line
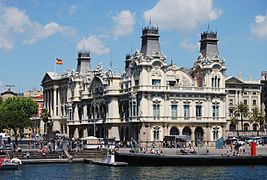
(174, 131)
(187, 132)
(127, 136)
(246, 126)
(199, 135)
(255, 127)
(232, 127)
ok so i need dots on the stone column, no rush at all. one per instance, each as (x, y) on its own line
(85, 115)
(193, 135)
(76, 113)
(55, 101)
(76, 133)
(85, 132)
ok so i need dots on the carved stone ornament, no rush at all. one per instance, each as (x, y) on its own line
(156, 72)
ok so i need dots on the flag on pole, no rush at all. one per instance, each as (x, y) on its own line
(59, 61)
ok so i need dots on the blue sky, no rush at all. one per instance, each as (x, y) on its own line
(35, 32)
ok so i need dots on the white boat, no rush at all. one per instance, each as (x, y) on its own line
(109, 161)
(92, 142)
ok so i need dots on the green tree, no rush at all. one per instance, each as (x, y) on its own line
(45, 115)
(240, 111)
(16, 112)
(256, 115)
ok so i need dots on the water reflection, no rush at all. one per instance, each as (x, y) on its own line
(88, 171)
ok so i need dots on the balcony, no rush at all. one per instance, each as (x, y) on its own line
(176, 89)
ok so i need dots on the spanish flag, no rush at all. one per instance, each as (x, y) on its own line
(59, 61)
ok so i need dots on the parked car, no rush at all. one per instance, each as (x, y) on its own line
(258, 140)
(264, 139)
(231, 139)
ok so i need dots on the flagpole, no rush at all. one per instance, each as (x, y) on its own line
(55, 66)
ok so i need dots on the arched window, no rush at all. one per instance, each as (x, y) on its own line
(215, 82)
(156, 133)
(174, 131)
(215, 132)
(232, 127)
(156, 110)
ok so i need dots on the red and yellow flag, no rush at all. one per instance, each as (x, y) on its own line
(59, 61)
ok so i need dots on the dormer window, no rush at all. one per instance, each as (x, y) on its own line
(156, 82)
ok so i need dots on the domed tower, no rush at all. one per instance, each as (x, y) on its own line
(84, 63)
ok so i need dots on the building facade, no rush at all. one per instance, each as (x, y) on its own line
(37, 123)
(242, 91)
(148, 101)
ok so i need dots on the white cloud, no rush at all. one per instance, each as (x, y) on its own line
(188, 45)
(123, 23)
(182, 15)
(45, 31)
(259, 28)
(94, 45)
(16, 26)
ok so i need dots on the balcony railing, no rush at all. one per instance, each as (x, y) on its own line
(176, 88)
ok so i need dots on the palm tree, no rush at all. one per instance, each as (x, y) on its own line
(256, 115)
(241, 110)
(45, 115)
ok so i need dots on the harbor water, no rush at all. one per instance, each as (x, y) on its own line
(80, 171)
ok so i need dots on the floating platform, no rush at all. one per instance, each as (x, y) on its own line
(102, 163)
(139, 159)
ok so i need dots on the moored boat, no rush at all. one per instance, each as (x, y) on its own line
(7, 164)
(109, 161)
(140, 159)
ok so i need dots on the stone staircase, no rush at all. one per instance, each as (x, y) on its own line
(89, 154)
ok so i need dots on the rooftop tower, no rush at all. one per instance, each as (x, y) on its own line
(84, 63)
(150, 41)
(208, 44)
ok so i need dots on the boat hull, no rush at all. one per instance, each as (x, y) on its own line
(9, 167)
(138, 159)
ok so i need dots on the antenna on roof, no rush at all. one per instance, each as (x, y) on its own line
(150, 21)
(110, 60)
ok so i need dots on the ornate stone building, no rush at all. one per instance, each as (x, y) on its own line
(150, 100)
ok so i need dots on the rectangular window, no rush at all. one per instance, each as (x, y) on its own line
(172, 83)
(186, 111)
(245, 101)
(231, 112)
(136, 82)
(156, 111)
(254, 102)
(174, 111)
(231, 102)
(134, 109)
(156, 82)
(198, 110)
(215, 110)
(156, 134)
